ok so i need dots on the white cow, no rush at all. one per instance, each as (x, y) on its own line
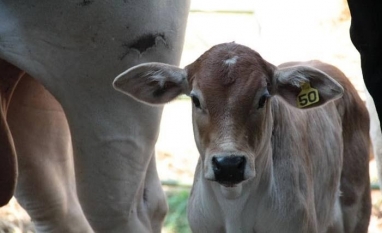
(73, 49)
(265, 165)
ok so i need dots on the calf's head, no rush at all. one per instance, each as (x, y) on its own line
(230, 86)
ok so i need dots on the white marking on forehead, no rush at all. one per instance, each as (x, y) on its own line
(231, 61)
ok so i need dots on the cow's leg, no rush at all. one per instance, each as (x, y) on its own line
(375, 134)
(366, 35)
(154, 197)
(119, 145)
(9, 77)
(76, 50)
(150, 206)
(46, 185)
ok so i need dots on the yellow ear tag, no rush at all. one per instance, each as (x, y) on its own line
(307, 96)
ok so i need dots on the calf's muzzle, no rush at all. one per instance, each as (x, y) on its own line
(228, 170)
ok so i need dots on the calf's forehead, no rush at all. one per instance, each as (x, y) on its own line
(229, 70)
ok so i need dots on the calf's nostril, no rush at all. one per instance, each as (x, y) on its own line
(241, 164)
(215, 164)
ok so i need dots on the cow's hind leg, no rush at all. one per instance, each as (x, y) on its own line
(46, 185)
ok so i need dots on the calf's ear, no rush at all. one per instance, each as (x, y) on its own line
(305, 87)
(152, 83)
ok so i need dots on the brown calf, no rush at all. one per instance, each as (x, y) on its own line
(282, 149)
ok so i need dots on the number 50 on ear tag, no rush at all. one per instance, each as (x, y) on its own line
(307, 96)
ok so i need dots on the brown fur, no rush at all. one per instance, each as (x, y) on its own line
(300, 170)
(230, 95)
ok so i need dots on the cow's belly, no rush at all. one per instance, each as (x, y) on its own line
(84, 39)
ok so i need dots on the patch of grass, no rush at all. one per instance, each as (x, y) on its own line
(176, 220)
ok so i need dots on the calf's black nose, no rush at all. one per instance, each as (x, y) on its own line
(228, 170)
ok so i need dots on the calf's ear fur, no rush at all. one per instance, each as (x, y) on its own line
(290, 81)
(152, 83)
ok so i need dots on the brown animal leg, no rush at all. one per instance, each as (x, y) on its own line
(46, 183)
(9, 76)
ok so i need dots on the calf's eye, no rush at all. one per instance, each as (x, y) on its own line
(196, 101)
(263, 100)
